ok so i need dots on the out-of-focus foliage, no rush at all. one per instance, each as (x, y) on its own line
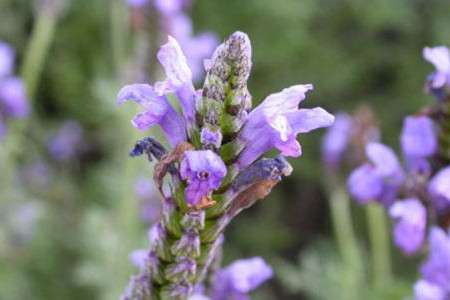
(86, 215)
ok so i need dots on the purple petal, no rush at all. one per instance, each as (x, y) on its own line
(169, 7)
(305, 120)
(385, 161)
(437, 268)
(409, 231)
(246, 275)
(364, 184)
(7, 56)
(424, 290)
(439, 188)
(439, 57)
(336, 139)
(13, 97)
(136, 3)
(418, 137)
(139, 257)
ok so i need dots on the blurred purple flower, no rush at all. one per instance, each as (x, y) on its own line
(424, 290)
(137, 3)
(379, 179)
(439, 188)
(65, 143)
(170, 7)
(409, 231)
(440, 58)
(158, 112)
(335, 141)
(277, 121)
(139, 257)
(7, 56)
(149, 199)
(240, 278)
(436, 270)
(204, 171)
(13, 98)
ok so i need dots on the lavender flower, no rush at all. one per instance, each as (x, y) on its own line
(65, 143)
(436, 270)
(212, 167)
(439, 188)
(204, 170)
(409, 231)
(440, 58)
(7, 56)
(336, 140)
(170, 7)
(139, 258)
(277, 121)
(378, 180)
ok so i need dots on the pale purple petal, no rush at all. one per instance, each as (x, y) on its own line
(170, 7)
(13, 98)
(158, 112)
(335, 142)
(204, 171)
(305, 120)
(425, 290)
(409, 230)
(418, 137)
(440, 58)
(137, 3)
(364, 184)
(139, 257)
(439, 188)
(436, 269)
(385, 162)
(245, 275)
(7, 56)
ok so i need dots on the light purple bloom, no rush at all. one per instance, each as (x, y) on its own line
(204, 171)
(424, 290)
(7, 56)
(139, 257)
(209, 137)
(240, 278)
(170, 7)
(13, 98)
(409, 231)
(418, 140)
(66, 142)
(439, 188)
(378, 180)
(336, 140)
(436, 270)
(440, 58)
(136, 3)
(276, 122)
(158, 112)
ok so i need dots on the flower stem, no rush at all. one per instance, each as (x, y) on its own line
(379, 244)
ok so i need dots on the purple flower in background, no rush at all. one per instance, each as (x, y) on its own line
(13, 98)
(335, 141)
(436, 270)
(136, 3)
(409, 231)
(65, 143)
(418, 140)
(424, 290)
(240, 278)
(170, 7)
(158, 112)
(277, 121)
(7, 56)
(439, 188)
(139, 257)
(204, 171)
(440, 58)
(149, 198)
(379, 179)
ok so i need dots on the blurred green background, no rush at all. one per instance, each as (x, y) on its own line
(85, 212)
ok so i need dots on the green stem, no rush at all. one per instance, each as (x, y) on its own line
(379, 243)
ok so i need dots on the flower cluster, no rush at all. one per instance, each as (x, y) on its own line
(175, 22)
(214, 169)
(13, 98)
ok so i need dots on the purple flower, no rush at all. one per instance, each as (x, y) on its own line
(139, 257)
(170, 7)
(66, 142)
(158, 112)
(204, 171)
(7, 56)
(439, 188)
(240, 278)
(336, 140)
(379, 179)
(149, 198)
(209, 137)
(136, 3)
(436, 270)
(418, 140)
(440, 58)
(409, 231)
(276, 122)
(424, 290)
(13, 98)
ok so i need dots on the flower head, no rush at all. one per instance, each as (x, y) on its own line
(409, 231)
(13, 98)
(440, 58)
(336, 140)
(204, 171)
(439, 188)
